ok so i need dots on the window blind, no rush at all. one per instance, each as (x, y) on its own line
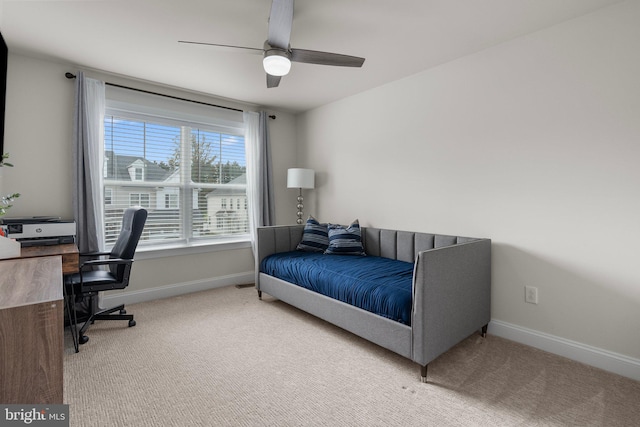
(187, 168)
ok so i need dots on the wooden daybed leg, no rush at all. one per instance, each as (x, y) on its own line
(259, 294)
(484, 330)
(423, 373)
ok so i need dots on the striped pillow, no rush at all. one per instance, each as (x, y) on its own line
(345, 240)
(315, 237)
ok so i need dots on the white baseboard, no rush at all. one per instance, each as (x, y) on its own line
(133, 297)
(593, 356)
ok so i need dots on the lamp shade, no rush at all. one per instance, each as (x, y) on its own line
(300, 178)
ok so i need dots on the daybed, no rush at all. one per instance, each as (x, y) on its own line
(450, 290)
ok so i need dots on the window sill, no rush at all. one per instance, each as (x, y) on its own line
(170, 250)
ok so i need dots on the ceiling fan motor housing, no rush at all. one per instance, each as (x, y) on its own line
(276, 61)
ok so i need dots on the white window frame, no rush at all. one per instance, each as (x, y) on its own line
(150, 107)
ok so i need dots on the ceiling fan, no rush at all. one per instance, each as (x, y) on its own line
(278, 54)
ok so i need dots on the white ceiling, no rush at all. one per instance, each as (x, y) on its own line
(138, 38)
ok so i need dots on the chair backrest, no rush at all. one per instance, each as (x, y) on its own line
(125, 247)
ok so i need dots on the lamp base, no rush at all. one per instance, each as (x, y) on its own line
(300, 207)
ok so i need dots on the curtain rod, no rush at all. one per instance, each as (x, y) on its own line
(72, 76)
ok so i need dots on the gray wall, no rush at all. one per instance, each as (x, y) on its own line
(533, 143)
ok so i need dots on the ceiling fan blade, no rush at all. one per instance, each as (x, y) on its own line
(280, 21)
(325, 58)
(273, 81)
(251, 49)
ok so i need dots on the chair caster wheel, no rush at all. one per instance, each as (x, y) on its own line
(123, 311)
(132, 323)
(82, 339)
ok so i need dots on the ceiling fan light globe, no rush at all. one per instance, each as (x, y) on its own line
(276, 63)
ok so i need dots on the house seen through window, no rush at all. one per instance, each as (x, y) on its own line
(182, 173)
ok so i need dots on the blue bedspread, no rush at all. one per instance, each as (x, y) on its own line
(378, 285)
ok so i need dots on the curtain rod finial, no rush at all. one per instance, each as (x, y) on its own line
(273, 116)
(69, 75)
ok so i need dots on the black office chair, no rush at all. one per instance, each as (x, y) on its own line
(88, 282)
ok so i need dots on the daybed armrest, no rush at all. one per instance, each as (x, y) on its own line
(274, 239)
(451, 297)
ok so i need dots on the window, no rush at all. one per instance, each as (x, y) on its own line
(140, 199)
(184, 167)
(171, 201)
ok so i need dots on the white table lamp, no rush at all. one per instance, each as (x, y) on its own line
(300, 178)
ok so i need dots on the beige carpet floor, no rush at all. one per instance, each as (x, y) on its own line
(224, 358)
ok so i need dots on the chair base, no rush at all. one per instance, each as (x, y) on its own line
(106, 314)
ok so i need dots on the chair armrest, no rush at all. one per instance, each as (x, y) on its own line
(111, 261)
(93, 254)
(109, 284)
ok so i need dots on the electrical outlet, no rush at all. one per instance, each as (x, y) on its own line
(531, 294)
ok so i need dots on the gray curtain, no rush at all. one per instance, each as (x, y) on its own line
(259, 176)
(266, 190)
(87, 160)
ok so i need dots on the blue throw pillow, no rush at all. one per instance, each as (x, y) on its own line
(315, 237)
(345, 240)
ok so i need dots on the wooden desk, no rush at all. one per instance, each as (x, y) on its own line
(32, 323)
(31, 330)
(69, 252)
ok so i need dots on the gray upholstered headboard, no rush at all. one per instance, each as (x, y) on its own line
(402, 245)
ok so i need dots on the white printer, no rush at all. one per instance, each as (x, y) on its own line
(40, 230)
